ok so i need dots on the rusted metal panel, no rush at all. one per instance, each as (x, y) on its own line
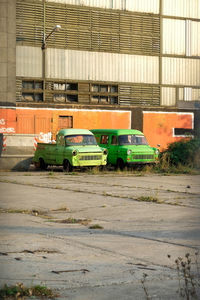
(148, 6)
(83, 65)
(182, 8)
(181, 71)
(28, 61)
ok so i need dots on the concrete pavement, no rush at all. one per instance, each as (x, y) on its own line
(143, 219)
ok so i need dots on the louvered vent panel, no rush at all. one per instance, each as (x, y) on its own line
(139, 95)
(29, 22)
(89, 29)
(18, 90)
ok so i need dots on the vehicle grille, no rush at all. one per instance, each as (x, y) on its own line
(90, 157)
(143, 156)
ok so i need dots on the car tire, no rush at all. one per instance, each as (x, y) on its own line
(42, 164)
(120, 164)
(67, 167)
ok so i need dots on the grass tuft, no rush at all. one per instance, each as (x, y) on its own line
(19, 291)
(96, 226)
(149, 199)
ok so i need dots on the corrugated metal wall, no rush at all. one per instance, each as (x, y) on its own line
(181, 37)
(168, 96)
(181, 71)
(195, 38)
(189, 94)
(28, 61)
(83, 65)
(148, 6)
(182, 8)
(173, 36)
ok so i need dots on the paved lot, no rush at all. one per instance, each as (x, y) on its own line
(142, 220)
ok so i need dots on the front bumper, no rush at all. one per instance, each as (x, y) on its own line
(89, 160)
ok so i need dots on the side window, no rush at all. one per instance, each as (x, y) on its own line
(61, 140)
(104, 139)
(114, 140)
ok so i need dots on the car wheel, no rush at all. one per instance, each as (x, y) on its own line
(120, 164)
(67, 167)
(42, 164)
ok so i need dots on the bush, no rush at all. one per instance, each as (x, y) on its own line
(184, 152)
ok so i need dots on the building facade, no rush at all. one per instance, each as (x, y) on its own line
(113, 64)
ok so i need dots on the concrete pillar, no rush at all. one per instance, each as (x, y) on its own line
(7, 52)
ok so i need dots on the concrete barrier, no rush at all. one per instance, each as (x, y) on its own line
(16, 151)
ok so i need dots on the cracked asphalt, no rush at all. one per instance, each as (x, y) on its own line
(46, 236)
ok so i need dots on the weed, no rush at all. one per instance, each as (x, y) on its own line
(63, 208)
(143, 281)
(189, 281)
(19, 291)
(149, 199)
(73, 221)
(96, 226)
(94, 170)
(32, 212)
(51, 173)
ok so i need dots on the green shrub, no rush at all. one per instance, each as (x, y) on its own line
(184, 152)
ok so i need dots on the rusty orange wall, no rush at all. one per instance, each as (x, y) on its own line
(93, 119)
(7, 120)
(35, 121)
(158, 127)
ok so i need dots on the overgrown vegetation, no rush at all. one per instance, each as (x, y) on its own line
(180, 157)
(19, 291)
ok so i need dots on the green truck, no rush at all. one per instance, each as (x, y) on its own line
(73, 148)
(126, 147)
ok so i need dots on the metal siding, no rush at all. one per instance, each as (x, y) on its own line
(181, 71)
(28, 61)
(83, 65)
(168, 96)
(195, 38)
(196, 94)
(173, 36)
(148, 6)
(182, 8)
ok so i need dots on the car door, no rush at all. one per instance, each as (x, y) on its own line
(113, 148)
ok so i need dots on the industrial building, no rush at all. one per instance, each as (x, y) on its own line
(100, 64)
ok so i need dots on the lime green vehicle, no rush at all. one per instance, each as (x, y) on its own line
(126, 147)
(73, 148)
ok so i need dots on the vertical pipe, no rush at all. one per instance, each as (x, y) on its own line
(44, 51)
(161, 47)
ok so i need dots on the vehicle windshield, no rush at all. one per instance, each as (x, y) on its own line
(79, 139)
(132, 139)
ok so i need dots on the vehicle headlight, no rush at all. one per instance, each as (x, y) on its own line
(105, 151)
(74, 152)
(129, 152)
(157, 152)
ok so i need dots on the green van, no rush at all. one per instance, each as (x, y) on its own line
(126, 147)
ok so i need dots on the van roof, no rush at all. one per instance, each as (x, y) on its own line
(116, 131)
(71, 131)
